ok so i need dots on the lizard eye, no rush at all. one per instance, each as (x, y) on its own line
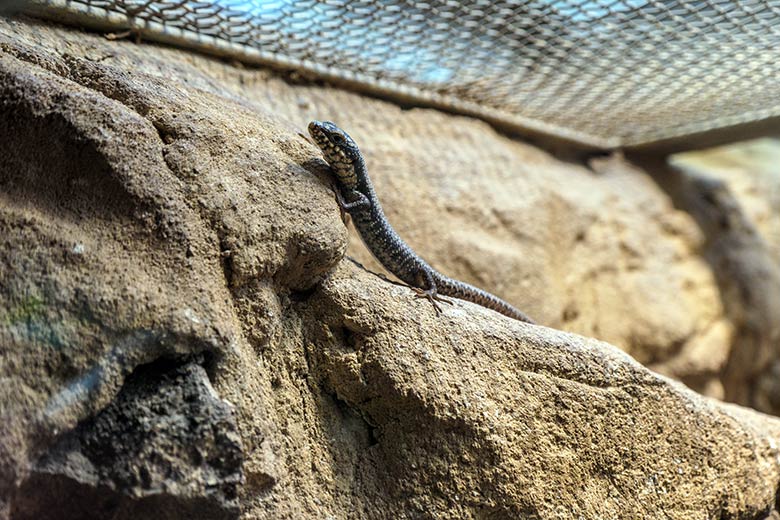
(337, 139)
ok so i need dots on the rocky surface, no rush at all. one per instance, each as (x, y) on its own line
(163, 229)
(728, 192)
(734, 193)
(166, 447)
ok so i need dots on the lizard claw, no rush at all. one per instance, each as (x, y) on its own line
(341, 202)
(432, 296)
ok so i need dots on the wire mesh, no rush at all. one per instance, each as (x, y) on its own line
(603, 73)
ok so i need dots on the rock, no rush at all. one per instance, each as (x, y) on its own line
(747, 274)
(120, 245)
(700, 362)
(162, 223)
(166, 447)
(476, 420)
(734, 193)
(599, 251)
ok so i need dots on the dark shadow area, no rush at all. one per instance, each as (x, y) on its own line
(166, 447)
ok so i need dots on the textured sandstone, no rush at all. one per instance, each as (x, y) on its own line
(162, 225)
(734, 193)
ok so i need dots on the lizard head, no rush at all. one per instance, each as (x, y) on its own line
(340, 151)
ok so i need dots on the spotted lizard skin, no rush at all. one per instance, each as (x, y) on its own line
(356, 196)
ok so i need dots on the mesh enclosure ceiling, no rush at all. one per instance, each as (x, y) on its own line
(602, 73)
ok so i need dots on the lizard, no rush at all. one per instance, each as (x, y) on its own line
(355, 195)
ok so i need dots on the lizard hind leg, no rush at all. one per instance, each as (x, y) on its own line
(431, 294)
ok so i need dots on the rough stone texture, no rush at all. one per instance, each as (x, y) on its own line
(729, 192)
(502, 403)
(158, 207)
(165, 448)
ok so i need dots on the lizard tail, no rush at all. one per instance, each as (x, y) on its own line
(464, 291)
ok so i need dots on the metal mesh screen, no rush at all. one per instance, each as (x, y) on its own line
(603, 73)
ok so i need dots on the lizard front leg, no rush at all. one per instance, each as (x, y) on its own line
(359, 201)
